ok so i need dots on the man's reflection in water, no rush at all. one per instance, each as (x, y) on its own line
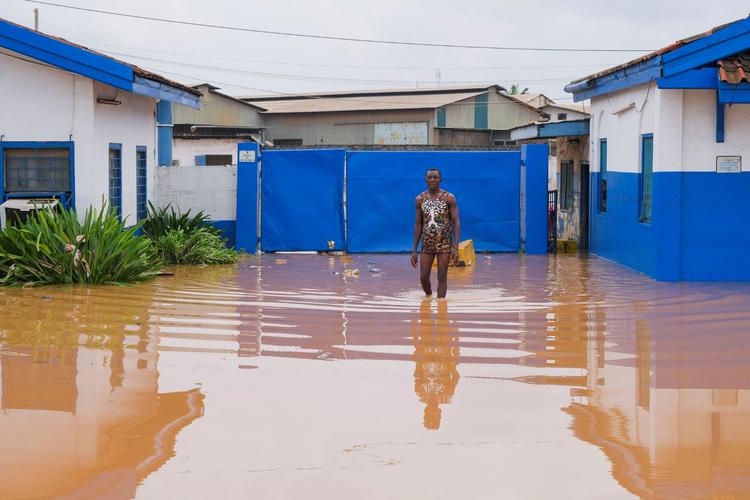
(436, 354)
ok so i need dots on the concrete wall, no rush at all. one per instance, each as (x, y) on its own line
(210, 189)
(568, 221)
(697, 231)
(46, 104)
(184, 151)
(217, 109)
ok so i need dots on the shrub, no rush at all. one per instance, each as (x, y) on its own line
(55, 248)
(199, 246)
(185, 238)
(162, 220)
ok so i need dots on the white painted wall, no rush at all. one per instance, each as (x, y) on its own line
(42, 103)
(211, 189)
(623, 131)
(184, 151)
(684, 126)
(699, 146)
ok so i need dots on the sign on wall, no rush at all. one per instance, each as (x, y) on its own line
(247, 156)
(728, 164)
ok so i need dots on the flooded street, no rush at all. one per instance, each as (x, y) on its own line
(284, 377)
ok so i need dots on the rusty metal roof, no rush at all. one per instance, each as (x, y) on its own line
(735, 69)
(651, 55)
(364, 103)
(138, 71)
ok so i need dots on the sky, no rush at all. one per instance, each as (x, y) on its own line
(242, 63)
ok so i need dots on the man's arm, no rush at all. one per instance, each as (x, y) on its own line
(453, 206)
(417, 232)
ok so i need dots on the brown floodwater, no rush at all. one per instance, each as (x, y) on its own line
(286, 377)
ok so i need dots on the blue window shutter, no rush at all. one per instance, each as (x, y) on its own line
(441, 116)
(200, 160)
(647, 177)
(480, 111)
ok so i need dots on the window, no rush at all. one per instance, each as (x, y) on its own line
(218, 160)
(115, 178)
(141, 183)
(562, 116)
(603, 176)
(647, 178)
(480, 111)
(37, 170)
(566, 185)
(441, 116)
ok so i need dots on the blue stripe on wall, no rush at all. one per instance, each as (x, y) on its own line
(228, 230)
(705, 239)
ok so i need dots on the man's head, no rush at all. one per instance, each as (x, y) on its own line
(433, 178)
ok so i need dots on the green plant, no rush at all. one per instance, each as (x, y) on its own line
(200, 246)
(162, 220)
(55, 247)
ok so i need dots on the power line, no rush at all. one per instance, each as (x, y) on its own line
(346, 66)
(328, 37)
(288, 76)
(339, 97)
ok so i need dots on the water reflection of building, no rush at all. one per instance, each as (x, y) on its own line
(436, 354)
(81, 414)
(667, 397)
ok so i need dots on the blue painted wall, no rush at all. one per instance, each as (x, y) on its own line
(228, 230)
(705, 239)
(246, 229)
(382, 187)
(164, 132)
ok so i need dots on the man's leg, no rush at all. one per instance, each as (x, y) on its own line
(443, 260)
(425, 268)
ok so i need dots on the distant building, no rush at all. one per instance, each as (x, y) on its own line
(444, 116)
(209, 135)
(669, 131)
(77, 125)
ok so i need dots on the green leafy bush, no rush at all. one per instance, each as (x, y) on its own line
(199, 246)
(162, 220)
(54, 247)
(186, 238)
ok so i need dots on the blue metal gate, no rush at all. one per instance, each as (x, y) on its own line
(302, 195)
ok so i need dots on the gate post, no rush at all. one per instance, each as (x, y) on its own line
(534, 158)
(248, 156)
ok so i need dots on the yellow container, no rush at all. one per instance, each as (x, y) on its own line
(466, 254)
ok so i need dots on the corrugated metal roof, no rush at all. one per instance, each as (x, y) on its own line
(580, 108)
(374, 92)
(735, 69)
(364, 103)
(651, 55)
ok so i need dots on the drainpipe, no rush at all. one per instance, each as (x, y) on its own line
(164, 131)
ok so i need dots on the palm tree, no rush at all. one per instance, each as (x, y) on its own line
(514, 89)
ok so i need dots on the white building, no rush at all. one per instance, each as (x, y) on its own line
(668, 134)
(77, 125)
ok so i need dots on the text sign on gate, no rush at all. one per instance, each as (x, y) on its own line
(728, 164)
(247, 156)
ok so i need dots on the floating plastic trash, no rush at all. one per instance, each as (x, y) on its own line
(351, 273)
(376, 270)
(281, 261)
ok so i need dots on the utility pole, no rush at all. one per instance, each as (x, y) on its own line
(36, 19)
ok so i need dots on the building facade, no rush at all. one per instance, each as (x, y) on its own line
(77, 125)
(668, 135)
(444, 116)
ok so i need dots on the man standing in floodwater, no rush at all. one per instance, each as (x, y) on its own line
(438, 226)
